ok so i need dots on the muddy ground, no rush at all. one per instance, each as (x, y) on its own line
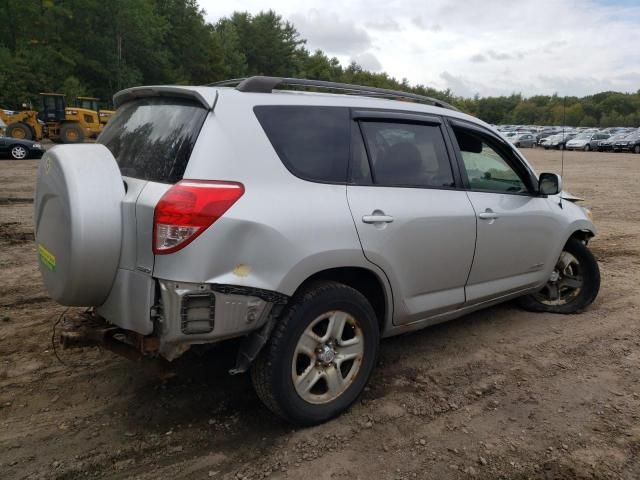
(497, 394)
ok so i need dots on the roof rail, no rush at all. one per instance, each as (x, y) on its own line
(260, 84)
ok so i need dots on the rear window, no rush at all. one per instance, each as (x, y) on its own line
(152, 138)
(312, 142)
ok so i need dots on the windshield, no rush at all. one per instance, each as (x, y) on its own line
(152, 138)
(583, 136)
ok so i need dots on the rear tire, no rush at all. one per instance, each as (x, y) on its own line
(19, 130)
(574, 284)
(636, 149)
(71, 133)
(307, 374)
(587, 147)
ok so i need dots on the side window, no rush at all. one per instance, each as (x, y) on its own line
(409, 155)
(312, 142)
(487, 170)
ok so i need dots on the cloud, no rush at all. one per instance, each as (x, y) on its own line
(499, 56)
(478, 58)
(419, 22)
(332, 33)
(368, 61)
(458, 85)
(541, 44)
(385, 25)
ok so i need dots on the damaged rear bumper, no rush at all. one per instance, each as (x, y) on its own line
(183, 314)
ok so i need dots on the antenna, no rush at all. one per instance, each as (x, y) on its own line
(564, 144)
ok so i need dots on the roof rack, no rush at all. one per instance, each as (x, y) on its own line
(260, 84)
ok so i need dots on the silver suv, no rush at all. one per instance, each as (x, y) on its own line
(307, 224)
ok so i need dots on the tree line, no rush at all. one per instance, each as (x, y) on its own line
(97, 47)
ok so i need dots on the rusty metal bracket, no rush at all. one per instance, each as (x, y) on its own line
(88, 330)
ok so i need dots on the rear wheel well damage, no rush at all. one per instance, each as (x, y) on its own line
(360, 279)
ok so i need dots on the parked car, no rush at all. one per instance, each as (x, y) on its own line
(557, 142)
(523, 140)
(17, 149)
(545, 134)
(630, 143)
(586, 141)
(607, 145)
(310, 225)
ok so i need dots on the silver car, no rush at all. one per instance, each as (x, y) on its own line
(522, 140)
(310, 225)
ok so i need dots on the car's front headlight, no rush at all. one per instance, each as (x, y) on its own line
(588, 213)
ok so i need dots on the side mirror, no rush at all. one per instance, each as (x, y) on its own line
(549, 184)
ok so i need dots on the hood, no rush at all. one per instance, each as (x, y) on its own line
(569, 197)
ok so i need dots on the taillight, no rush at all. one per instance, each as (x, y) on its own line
(187, 209)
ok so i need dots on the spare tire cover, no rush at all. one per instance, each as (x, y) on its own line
(78, 223)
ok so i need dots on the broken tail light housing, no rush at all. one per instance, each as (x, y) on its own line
(187, 209)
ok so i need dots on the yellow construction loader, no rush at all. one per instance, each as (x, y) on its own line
(91, 103)
(55, 121)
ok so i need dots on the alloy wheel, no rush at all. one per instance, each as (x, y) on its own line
(19, 152)
(328, 357)
(565, 282)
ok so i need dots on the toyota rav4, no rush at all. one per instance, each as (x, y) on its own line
(308, 224)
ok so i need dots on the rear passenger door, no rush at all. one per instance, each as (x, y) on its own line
(412, 220)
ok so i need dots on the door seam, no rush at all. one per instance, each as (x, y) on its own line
(475, 246)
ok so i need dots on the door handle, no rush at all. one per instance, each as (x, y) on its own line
(377, 219)
(488, 214)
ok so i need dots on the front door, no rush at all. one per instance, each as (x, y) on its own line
(411, 219)
(515, 225)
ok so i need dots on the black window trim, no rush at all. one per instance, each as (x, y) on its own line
(521, 169)
(359, 115)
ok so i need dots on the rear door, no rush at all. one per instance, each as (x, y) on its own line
(152, 139)
(516, 226)
(412, 220)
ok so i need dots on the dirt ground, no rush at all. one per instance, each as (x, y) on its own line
(497, 394)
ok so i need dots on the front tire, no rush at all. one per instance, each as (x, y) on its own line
(573, 285)
(587, 147)
(19, 130)
(320, 354)
(636, 149)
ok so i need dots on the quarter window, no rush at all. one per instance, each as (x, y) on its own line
(487, 170)
(407, 155)
(312, 142)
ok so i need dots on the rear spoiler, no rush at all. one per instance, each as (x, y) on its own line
(206, 97)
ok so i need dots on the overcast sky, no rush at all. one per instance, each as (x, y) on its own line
(489, 47)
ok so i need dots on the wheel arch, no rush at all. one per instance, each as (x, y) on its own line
(370, 284)
(584, 235)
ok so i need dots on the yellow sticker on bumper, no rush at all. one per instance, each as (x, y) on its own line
(47, 258)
